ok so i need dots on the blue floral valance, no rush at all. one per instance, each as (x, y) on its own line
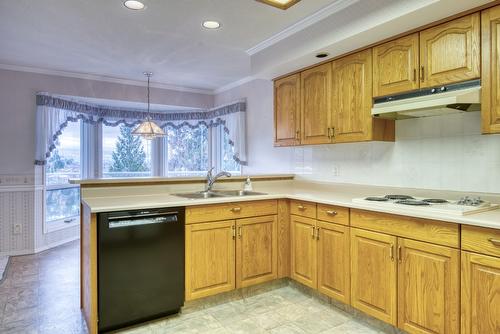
(55, 112)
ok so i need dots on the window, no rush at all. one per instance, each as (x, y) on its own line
(62, 199)
(123, 154)
(226, 150)
(187, 151)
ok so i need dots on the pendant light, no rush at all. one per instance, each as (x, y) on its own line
(148, 129)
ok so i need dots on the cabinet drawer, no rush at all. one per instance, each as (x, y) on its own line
(304, 209)
(333, 214)
(481, 240)
(224, 211)
(433, 231)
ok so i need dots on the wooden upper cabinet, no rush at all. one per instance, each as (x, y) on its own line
(490, 101)
(287, 111)
(303, 248)
(450, 52)
(480, 294)
(395, 66)
(373, 274)
(210, 259)
(315, 88)
(429, 285)
(256, 250)
(334, 261)
(352, 98)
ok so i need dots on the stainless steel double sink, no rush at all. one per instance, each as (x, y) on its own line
(218, 193)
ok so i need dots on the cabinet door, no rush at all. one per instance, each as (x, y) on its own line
(256, 250)
(450, 52)
(428, 284)
(287, 111)
(490, 80)
(316, 86)
(210, 261)
(373, 274)
(334, 261)
(303, 246)
(480, 294)
(352, 98)
(395, 66)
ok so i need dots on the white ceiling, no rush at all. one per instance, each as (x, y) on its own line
(105, 39)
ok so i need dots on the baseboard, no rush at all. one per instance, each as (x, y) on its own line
(18, 252)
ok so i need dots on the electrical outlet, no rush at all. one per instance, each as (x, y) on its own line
(18, 229)
(335, 170)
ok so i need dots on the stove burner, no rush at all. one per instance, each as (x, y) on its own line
(377, 199)
(435, 200)
(398, 197)
(412, 202)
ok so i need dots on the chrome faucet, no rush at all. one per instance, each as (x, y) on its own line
(211, 179)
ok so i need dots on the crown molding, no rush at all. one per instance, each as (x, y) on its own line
(302, 24)
(103, 78)
(234, 84)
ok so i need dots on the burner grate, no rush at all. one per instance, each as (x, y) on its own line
(435, 200)
(377, 199)
(398, 197)
(412, 202)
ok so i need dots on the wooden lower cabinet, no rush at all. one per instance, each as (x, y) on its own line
(428, 288)
(256, 250)
(210, 265)
(333, 261)
(373, 274)
(303, 246)
(480, 311)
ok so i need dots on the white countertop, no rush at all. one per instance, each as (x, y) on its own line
(333, 194)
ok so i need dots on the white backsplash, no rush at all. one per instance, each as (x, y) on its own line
(441, 152)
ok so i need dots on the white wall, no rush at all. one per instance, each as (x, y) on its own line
(263, 157)
(442, 152)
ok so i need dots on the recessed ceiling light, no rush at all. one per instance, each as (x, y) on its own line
(211, 24)
(134, 5)
(322, 55)
(281, 4)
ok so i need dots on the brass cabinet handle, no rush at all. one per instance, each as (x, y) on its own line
(391, 254)
(234, 231)
(422, 77)
(313, 228)
(329, 133)
(400, 256)
(414, 74)
(297, 133)
(239, 231)
(301, 207)
(331, 212)
(333, 132)
(495, 242)
(236, 209)
(317, 233)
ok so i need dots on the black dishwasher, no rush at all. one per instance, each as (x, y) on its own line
(140, 266)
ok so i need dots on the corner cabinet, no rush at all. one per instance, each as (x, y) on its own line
(450, 52)
(287, 111)
(490, 100)
(315, 88)
(395, 66)
(351, 116)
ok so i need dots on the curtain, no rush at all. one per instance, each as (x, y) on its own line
(54, 112)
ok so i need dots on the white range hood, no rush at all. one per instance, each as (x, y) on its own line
(430, 102)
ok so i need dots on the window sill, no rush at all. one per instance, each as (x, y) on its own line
(57, 225)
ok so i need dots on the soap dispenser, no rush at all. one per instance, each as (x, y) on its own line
(248, 184)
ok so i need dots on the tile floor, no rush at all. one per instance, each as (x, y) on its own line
(40, 294)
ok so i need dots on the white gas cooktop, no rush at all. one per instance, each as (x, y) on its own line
(461, 207)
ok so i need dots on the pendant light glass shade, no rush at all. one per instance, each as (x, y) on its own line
(148, 129)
